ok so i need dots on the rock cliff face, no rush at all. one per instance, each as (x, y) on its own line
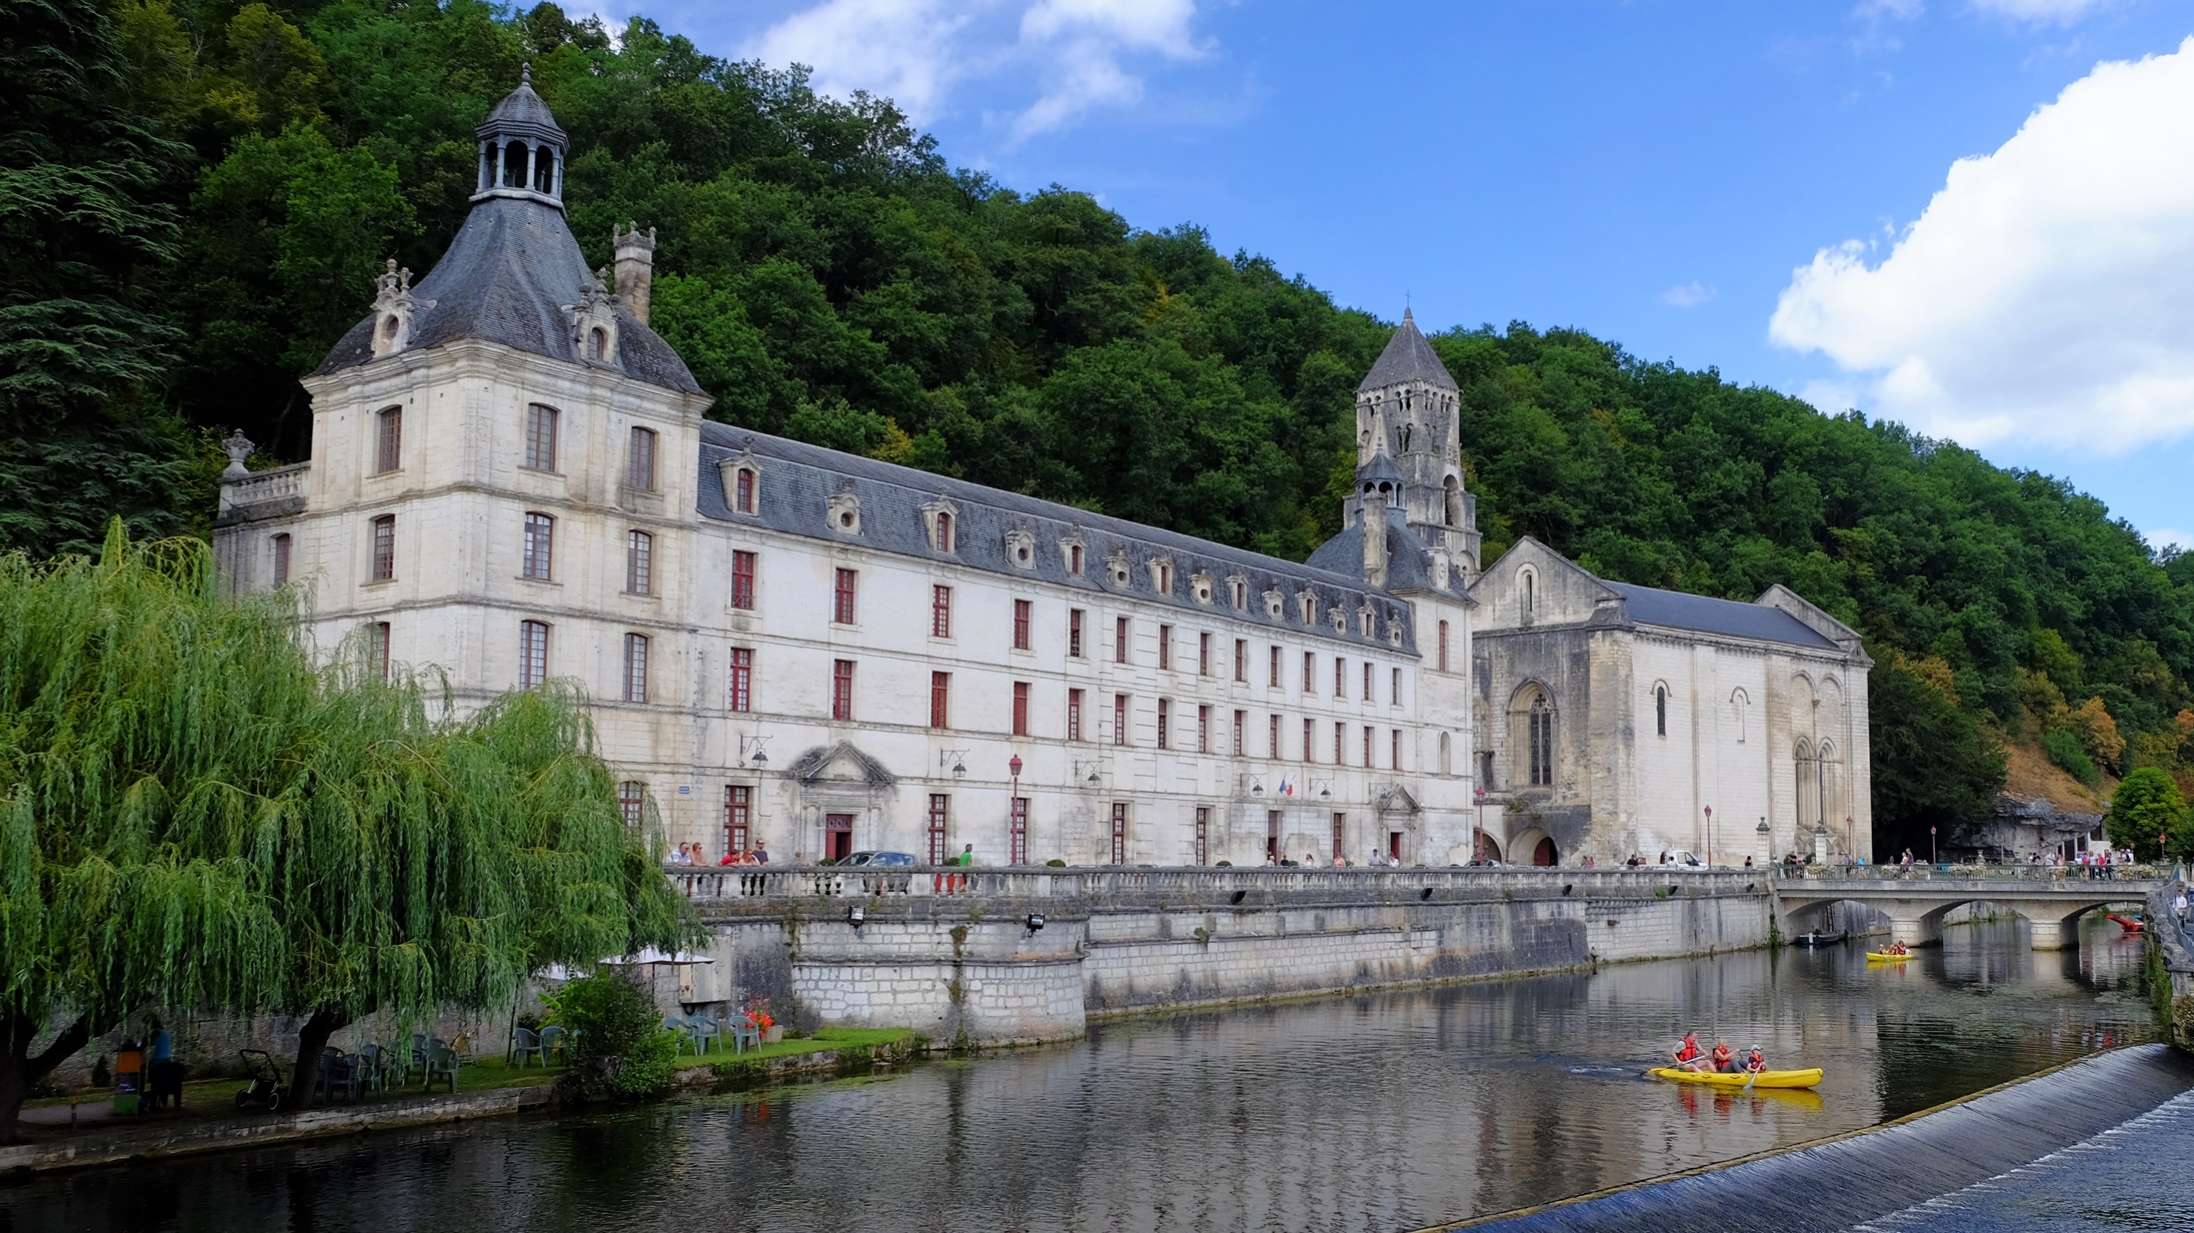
(2023, 827)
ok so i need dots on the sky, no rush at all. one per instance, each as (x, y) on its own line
(1972, 216)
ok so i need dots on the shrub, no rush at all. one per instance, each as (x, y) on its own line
(624, 1048)
(1055, 863)
(2064, 749)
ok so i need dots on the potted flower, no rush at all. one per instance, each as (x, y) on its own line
(758, 1015)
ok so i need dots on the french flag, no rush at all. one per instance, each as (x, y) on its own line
(1286, 788)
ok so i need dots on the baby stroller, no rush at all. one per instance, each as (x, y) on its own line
(266, 1088)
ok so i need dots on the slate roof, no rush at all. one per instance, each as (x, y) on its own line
(1408, 559)
(1676, 610)
(506, 278)
(523, 113)
(798, 481)
(1408, 357)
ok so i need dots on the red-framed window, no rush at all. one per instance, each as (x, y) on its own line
(1023, 616)
(1272, 738)
(1203, 729)
(1340, 677)
(1119, 832)
(1074, 714)
(1394, 688)
(1370, 734)
(632, 801)
(742, 580)
(1203, 834)
(1443, 646)
(743, 491)
(1020, 708)
(841, 689)
(1272, 677)
(1074, 633)
(940, 612)
(1119, 719)
(1165, 646)
(1119, 640)
(1310, 739)
(1165, 723)
(1340, 833)
(940, 699)
(1241, 660)
(1368, 693)
(738, 816)
(1241, 733)
(1310, 672)
(1017, 833)
(1394, 751)
(940, 815)
(740, 696)
(841, 597)
(1203, 654)
(1340, 743)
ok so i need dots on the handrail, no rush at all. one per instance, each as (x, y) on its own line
(1181, 884)
(2043, 874)
(261, 487)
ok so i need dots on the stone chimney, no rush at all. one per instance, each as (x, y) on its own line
(1374, 514)
(635, 268)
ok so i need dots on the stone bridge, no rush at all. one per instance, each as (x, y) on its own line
(1916, 899)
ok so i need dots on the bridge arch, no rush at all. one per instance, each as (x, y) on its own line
(1915, 909)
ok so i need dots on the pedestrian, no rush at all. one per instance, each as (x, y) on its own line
(2178, 905)
(761, 854)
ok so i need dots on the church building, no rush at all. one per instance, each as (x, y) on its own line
(513, 480)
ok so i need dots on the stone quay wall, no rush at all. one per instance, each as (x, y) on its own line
(998, 957)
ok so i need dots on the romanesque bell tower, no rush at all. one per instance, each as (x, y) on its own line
(1409, 450)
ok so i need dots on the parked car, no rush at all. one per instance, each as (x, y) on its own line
(1686, 862)
(895, 860)
(876, 873)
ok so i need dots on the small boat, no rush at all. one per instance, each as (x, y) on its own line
(2129, 924)
(1817, 938)
(1766, 1079)
(1876, 956)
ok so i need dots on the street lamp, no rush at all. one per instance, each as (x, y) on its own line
(1710, 836)
(1931, 845)
(1016, 830)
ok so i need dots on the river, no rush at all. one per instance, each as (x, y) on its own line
(1381, 1112)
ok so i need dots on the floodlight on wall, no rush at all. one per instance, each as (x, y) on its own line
(1035, 921)
(856, 916)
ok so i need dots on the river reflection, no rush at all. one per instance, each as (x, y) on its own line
(1371, 1113)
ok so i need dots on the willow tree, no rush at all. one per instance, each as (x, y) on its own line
(427, 864)
(143, 726)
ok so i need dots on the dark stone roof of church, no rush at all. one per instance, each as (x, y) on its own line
(506, 278)
(523, 113)
(1408, 357)
(1408, 559)
(1676, 610)
(798, 481)
(1381, 467)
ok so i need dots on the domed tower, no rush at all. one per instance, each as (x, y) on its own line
(1409, 448)
(522, 148)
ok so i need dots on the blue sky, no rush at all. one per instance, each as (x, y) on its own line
(1765, 188)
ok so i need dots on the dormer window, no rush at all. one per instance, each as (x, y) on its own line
(392, 311)
(944, 532)
(1274, 602)
(742, 480)
(1161, 576)
(940, 518)
(1307, 605)
(1203, 588)
(1119, 569)
(1363, 621)
(1021, 548)
(744, 500)
(844, 512)
(1238, 593)
(1073, 550)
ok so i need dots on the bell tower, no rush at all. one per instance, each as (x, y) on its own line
(1409, 448)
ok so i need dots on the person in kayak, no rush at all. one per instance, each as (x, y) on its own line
(1725, 1059)
(1687, 1053)
(1755, 1061)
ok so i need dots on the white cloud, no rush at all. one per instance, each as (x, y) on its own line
(2047, 292)
(1688, 295)
(2039, 12)
(1073, 55)
(2164, 537)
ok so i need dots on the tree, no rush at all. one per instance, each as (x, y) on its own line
(2147, 808)
(1933, 762)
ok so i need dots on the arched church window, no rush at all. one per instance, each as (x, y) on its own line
(1540, 724)
(544, 170)
(1660, 710)
(1531, 597)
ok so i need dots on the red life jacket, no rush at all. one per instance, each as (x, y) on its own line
(1687, 1050)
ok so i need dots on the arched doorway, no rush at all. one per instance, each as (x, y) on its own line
(1544, 854)
(1487, 849)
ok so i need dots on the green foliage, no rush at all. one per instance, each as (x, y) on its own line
(2148, 806)
(618, 1023)
(2064, 749)
(1933, 763)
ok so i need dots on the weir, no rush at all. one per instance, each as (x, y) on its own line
(1022, 955)
(1864, 1176)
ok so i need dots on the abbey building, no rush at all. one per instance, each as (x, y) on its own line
(513, 479)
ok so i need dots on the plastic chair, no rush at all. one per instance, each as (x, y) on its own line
(526, 1043)
(553, 1039)
(442, 1061)
(678, 1024)
(704, 1032)
(744, 1034)
(418, 1055)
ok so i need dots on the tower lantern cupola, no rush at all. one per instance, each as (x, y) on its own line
(522, 149)
(1409, 448)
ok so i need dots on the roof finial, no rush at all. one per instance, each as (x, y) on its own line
(525, 74)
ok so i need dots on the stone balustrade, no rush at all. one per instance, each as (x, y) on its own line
(278, 486)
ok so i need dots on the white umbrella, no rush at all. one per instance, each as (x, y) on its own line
(652, 957)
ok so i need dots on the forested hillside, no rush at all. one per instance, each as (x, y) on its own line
(194, 196)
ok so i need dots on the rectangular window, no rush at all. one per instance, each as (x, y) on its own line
(1241, 660)
(1017, 833)
(1203, 834)
(632, 798)
(1074, 633)
(738, 817)
(1340, 743)
(1394, 750)
(743, 491)
(539, 547)
(1241, 733)
(384, 548)
(636, 667)
(1369, 694)
(1074, 714)
(1119, 640)
(1024, 612)
(377, 649)
(389, 448)
(740, 695)
(1394, 689)
(940, 812)
(1203, 654)
(841, 689)
(1020, 708)
(1340, 677)
(944, 531)
(1310, 672)
(940, 699)
(1310, 739)
(640, 563)
(1370, 734)
(1119, 719)
(1272, 738)
(281, 559)
(1485, 771)
(742, 580)
(1203, 729)
(1165, 646)
(640, 460)
(1119, 832)
(1443, 646)
(1165, 723)
(1272, 836)
(1074, 559)
(1272, 670)
(940, 612)
(540, 438)
(1340, 831)
(841, 602)
(532, 653)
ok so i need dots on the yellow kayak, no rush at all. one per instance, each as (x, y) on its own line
(1768, 1078)
(1875, 956)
